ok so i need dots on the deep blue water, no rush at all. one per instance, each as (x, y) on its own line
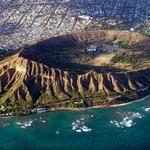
(120, 128)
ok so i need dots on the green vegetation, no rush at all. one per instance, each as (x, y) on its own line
(17, 107)
(123, 58)
(124, 44)
(112, 94)
(126, 58)
(43, 99)
(71, 104)
(84, 58)
(145, 28)
(128, 92)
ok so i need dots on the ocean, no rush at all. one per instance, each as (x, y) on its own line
(118, 128)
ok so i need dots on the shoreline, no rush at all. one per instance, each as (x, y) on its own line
(81, 109)
(96, 107)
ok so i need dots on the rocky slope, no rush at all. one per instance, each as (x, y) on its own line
(25, 77)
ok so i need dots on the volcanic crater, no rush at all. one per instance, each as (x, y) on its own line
(72, 67)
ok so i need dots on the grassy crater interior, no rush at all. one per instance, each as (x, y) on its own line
(101, 51)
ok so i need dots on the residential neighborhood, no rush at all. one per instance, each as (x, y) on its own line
(25, 22)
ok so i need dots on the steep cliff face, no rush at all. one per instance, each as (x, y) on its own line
(22, 78)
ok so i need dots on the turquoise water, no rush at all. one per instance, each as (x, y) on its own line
(120, 128)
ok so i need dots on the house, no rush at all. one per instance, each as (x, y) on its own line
(91, 48)
(115, 48)
(41, 110)
(111, 22)
(85, 17)
(79, 103)
(132, 29)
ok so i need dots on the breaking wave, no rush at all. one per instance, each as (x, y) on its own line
(79, 125)
(128, 121)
